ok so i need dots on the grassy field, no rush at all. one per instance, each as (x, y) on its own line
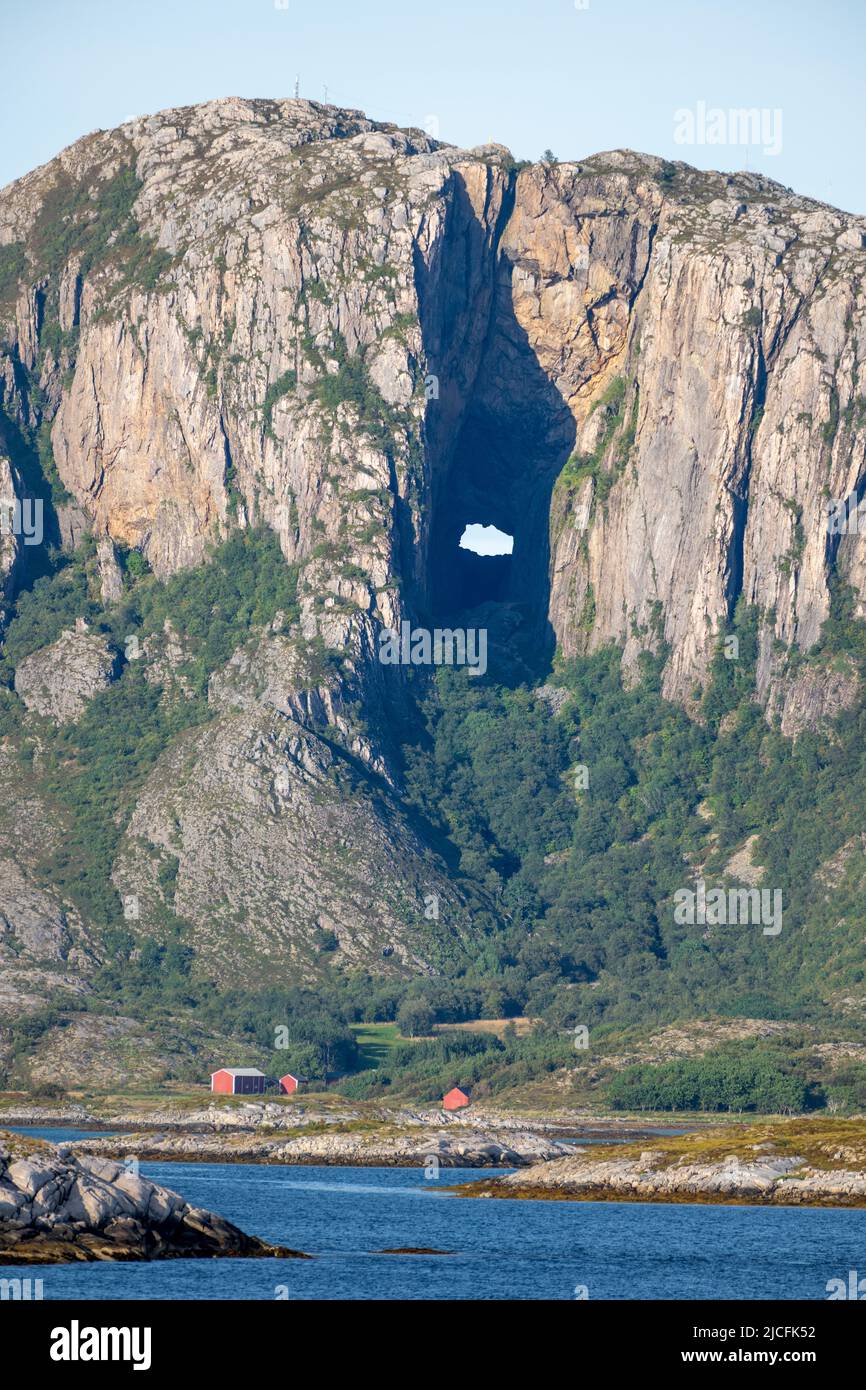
(375, 1042)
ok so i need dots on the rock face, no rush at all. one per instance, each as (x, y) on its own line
(649, 375)
(813, 696)
(9, 542)
(44, 945)
(59, 680)
(55, 1209)
(30, 918)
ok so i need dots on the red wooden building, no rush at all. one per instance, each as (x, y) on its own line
(456, 1098)
(238, 1081)
(290, 1083)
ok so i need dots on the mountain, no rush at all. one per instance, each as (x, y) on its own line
(261, 362)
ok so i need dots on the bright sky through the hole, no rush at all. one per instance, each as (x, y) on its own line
(486, 540)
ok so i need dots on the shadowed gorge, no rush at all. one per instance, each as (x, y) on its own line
(462, 579)
(515, 437)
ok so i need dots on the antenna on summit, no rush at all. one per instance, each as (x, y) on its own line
(297, 87)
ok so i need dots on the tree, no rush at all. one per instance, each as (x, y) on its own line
(415, 1018)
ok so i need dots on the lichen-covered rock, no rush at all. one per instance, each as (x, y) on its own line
(463, 1146)
(55, 1209)
(59, 680)
(814, 1161)
(787, 1181)
(44, 944)
(110, 573)
(165, 653)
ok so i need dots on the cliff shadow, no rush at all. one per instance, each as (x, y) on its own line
(503, 437)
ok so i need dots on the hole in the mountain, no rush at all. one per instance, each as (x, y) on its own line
(496, 442)
(474, 566)
(486, 540)
(481, 569)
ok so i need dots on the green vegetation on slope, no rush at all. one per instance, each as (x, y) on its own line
(96, 225)
(764, 1079)
(578, 827)
(92, 770)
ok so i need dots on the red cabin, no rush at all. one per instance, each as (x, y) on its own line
(456, 1098)
(238, 1081)
(290, 1083)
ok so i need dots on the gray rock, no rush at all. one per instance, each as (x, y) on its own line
(30, 916)
(814, 695)
(54, 1209)
(110, 573)
(59, 680)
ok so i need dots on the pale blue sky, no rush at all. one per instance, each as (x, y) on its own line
(530, 73)
(486, 540)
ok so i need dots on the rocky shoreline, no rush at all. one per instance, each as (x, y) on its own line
(263, 1115)
(339, 1149)
(267, 1132)
(829, 1171)
(57, 1209)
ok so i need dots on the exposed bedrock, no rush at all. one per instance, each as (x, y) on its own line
(650, 376)
(56, 1209)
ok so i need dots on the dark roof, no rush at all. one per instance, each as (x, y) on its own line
(458, 1087)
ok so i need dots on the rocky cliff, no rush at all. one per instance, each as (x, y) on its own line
(277, 311)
